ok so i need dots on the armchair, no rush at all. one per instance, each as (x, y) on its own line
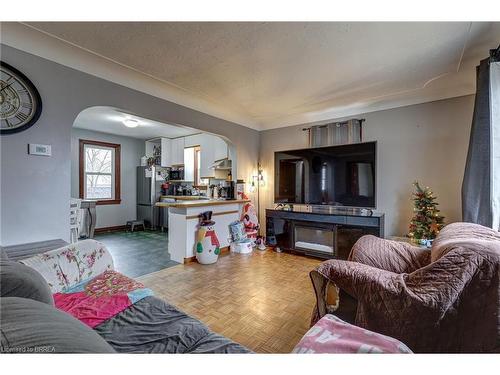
(442, 300)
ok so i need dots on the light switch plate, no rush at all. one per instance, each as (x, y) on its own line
(40, 150)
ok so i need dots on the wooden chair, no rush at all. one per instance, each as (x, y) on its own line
(75, 218)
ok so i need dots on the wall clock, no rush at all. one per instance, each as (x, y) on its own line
(20, 102)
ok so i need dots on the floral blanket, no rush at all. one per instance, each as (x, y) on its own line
(83, 282)
(101, 298)
(71, 264)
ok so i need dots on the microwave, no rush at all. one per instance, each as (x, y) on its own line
(177, 174)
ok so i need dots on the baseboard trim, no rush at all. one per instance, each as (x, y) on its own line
(116, 228)
(223, 251)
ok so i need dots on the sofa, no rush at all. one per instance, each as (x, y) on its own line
(70, 300)
(446, 299)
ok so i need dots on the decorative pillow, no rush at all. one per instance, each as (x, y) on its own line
(33, 327)
(18, 280)
(332, 335)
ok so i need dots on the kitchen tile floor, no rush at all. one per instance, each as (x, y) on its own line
(138, 253)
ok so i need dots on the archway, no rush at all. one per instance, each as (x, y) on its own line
(97, 133)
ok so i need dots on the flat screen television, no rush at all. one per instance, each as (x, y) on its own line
(341, 175)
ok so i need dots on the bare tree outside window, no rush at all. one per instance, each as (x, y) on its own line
(100, 171)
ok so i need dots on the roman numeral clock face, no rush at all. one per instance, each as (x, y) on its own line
(20, 102)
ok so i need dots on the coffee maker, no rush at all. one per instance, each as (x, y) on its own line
(227, 190)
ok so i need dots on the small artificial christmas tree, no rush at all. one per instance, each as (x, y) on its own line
(426, 222)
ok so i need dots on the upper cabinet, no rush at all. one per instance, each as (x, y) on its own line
(167, 155)
(156, 148)
(150, 145)
(194, 140)
(220, 148)
(177, 151)
(212, 148)
(166, 145)
(206, 157)
(189, 164)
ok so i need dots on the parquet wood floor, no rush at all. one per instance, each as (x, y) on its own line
(263, 300)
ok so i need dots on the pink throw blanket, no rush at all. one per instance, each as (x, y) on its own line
(332, 335)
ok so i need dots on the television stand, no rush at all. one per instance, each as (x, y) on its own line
(321, 231)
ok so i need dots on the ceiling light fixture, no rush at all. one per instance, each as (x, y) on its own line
(130, 123)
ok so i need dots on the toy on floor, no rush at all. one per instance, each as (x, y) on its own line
(237, 231)
(240, 243)
(261, 243)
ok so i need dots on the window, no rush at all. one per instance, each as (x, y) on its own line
(100, 171)
(198, 181)
(192, 166)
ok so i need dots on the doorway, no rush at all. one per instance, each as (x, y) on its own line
(127, 165)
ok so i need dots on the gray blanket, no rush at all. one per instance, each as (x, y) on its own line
(153, 326)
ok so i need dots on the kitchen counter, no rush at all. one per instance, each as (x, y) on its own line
(183, 219)
(200, 203)
(184, 197)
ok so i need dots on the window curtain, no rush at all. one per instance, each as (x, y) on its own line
(495, 142)
(481, 183)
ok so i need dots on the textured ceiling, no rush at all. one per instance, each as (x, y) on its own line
(110, 120)
(278, 74)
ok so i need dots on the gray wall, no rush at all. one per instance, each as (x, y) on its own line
(426, 142)
(131, 151)
(35, 191)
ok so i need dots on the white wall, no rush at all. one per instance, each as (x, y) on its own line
(131, 151)
(425, 142)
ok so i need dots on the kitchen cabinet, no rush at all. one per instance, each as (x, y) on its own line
(206, 156)
(166, 145)
(194, 140)
(207, 152)
(212, 148)
(177, 151)
(206, 160)
(150, 144)
(220, 148)
(189, 164)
